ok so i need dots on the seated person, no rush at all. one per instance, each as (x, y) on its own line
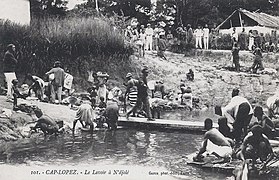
(256, 145)
(266, 123)
(37, 86)
(215, 143)
(16, 93)
(273, 105)
(190, 75)
(159, 89)
(156, 106)
(186, 98)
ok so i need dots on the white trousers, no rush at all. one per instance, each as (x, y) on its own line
(10, 76)
(205, 42)
(198, 42)
(149, 43)
(251, 43)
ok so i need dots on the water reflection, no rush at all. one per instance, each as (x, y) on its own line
(124, 147)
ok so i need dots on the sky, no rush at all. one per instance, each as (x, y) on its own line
(72, 3)
(15, 10)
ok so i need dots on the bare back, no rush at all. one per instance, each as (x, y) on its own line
(216, 137)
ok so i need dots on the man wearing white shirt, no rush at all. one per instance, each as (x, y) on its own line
(205, 36)
(149, 37)
(199, 34)
(238, 112)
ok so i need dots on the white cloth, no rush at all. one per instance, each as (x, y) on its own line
(205, 32)
(223, 151)
(102, 92)
(149, 32)
(10, 76)
(251, 41)
(41, 82)
(142, 38)
(230, 111)
(235, 36)
(68, 82)
(271, 101)
(205, 37)
(149, 38)
(151, 84)
(199, 34)
(187, 99)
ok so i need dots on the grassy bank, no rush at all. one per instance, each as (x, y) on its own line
(81, 44)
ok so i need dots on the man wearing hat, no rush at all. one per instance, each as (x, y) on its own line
(58, 81)
(9, 68)
(149, 35)
(238, 113)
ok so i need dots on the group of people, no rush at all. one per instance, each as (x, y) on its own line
(137, 92)
(149, 39)
(252, 39)
(257, 64)
(50, 90)
(236, 136)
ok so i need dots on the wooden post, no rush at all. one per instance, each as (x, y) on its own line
(240, 19)
(231, 23)
(97, 7)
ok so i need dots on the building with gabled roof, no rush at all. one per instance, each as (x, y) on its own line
(262, 22)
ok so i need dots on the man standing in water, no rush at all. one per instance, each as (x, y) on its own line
(214, 142)
(9, 68)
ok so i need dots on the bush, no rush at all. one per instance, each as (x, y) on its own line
(79, 43)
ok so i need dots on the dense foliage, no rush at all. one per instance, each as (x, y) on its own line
(195, 12)
(81, 44)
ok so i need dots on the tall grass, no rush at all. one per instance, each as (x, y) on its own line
(81, 44)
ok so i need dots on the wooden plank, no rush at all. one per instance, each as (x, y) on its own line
(163, 124)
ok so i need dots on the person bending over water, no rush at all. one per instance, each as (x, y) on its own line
(85, 116)
(239, 113)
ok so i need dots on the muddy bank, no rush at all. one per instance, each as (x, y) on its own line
(213, 82)
(212, 85)
(14, 125)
